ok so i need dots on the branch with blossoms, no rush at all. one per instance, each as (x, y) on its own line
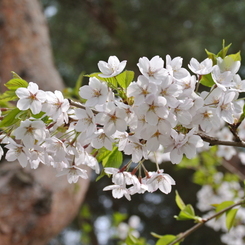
(160, 112)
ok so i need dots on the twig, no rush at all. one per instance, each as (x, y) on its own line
(79, 105)
(216, 141)
(203, 221)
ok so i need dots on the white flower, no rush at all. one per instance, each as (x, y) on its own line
(112, 68)
(1, 152)
(73, 173)
(238, 84)
(56, 106)
(17, 152)
(222, 79)
(141, 89)
(174, 68)
(182, 111)
(207, 118)
(136, 149)
(96, 92)
(152, 69)
(226, 109)
(183, 144)
(161, 181)
(56, 148)
(228, 64)
(203, 68)
(118, 191)
(170, 91)
(31, 132)
(86, 121)
(31, 97)
(113, 118)
(154, 108)
(102, 139)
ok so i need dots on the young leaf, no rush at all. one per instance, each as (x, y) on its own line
(15, 75)
(114, 159)
(236, 57)
(131, 240)
(222, 53)
(207, 80)
(110, 80)
(211, 56)
(125, 78)
(165, 240)
(187, 213)
(16, 83)
(8, 95)
(10, 118)
(230, 218)
(223, 205)
(179, 201)
(102, 153)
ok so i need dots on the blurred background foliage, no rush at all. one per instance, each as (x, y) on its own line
(86, 31)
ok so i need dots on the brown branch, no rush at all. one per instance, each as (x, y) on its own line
(203, 221)
(81, 106)
(216, 141)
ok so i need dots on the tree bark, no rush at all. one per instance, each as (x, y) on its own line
(25, 44)
(34, 204)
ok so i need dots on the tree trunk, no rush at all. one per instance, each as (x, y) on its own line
(25, 45)
(34, 204)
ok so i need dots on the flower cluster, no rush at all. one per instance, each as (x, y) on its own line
(160, 112)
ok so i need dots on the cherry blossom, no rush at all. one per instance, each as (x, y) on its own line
(96, 92)
(56, 106)
(31, 97)
(152, 69)
(31, 132)
(203, 68)
(73, 173)
(112, 68)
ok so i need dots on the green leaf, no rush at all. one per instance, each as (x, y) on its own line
(8, 95)
(125, 78)
(10, 119)
(230, 218)
(110, 80)
(179, 201)
(223, 205)
(16, 83)
(212, 56)
(114, 159)
(207, 80)
(166, 239)
(102, 153)
(131, 240)
(222, 53)
(15, 75)
(156, 235)
(187, 213)
(236, 57)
